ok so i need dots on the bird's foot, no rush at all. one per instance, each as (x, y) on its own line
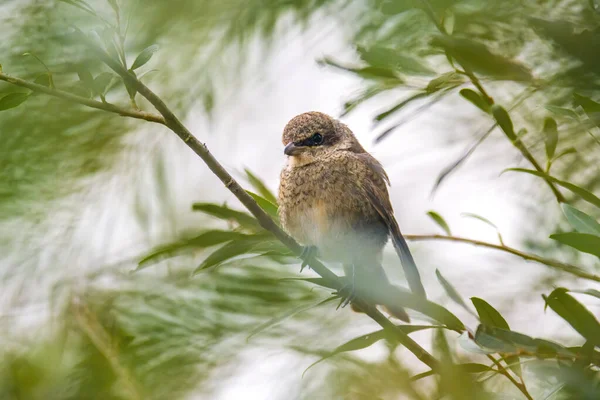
(307, 255)
(347, 294)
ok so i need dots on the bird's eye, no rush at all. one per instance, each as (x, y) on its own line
(317, 139)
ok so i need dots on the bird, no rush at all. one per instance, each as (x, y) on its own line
(333, 199)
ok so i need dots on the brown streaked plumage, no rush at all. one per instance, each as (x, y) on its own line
(333, 195)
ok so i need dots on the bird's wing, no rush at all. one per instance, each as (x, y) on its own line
(379, 198)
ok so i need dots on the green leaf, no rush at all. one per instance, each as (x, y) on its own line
(80, 4)
(266, 205)
(381, 116)
(572, 311)
(451, 291)
(364, 341)
(422, 375)
(426, 307)
(563, 112)
(476, 99)
(504, 121)
(591, 108)
(260, 187)
(374, 73)
(144, 56)
(226, 252)
(584, 194)
(103, 82)
(489, 315)
(569, 150)
(444, 81)
(287, 314)
(388, 57)
(590, 292)
(316, 281)
(204, 240)
(43, 79)
(506, 341)
(583, 242)
(12, 100)
(580, 221)
(474, 368)
(437, 218)
(131, 90)
(550, 137)
(484, 220)
(226, 213)
(114, 5)
(85, 76)
(477, 57)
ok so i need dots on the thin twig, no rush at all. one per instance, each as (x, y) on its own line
(571, 269)
(82, 100)
(503, 371)
(518, 143)
(173, 123)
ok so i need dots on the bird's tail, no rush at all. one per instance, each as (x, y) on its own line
(408, 263)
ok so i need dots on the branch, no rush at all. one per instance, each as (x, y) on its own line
(83, 100)
(265, 221)
(518, 143)
(571, 269)
(503, 371)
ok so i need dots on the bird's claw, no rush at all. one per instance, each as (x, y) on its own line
(308, 253)
(347, 294)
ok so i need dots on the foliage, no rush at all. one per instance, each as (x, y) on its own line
(132, 336)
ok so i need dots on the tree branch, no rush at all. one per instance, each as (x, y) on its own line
(518, 143)
(82, 100)
(571, 269)
(173, 123)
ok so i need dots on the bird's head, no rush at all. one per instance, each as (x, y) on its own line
(311, 136)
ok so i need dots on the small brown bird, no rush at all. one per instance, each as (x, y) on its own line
(333, 197)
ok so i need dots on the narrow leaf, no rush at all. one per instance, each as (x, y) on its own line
(451, 291)
(226, 213)
(591, 108)
(144, 56)
(204, 240)
(226, 252)
(504, 121)
(437, 218)
(475, 99)
(583, 242)
(364, 341)
(570, 150)
(590, 292)
(86, 77)
(484, 220)
(550, 137)
(489, 315)
(580, 221)
(260, 187)
(563, 112)
(12, 100)
(572, 311)
(381, 116)
(287, 314)
(266, 205)
(583, 193)
(103, 82)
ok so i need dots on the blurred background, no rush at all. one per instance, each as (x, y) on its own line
(100, 245)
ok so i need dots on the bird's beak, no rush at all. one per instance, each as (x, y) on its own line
(291, 149)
